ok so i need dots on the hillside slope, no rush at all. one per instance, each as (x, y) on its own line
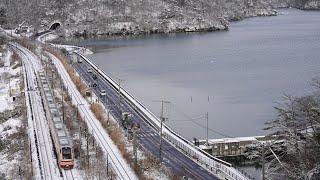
(93, 17)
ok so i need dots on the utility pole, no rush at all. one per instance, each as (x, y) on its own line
(107, 165)
(120, 80)
(80, 145)
(9, 88)
(161, 120)
(63, 107)
(46, 67)
(207, 116)
(87, 134)
(135, 145)
(263, 162)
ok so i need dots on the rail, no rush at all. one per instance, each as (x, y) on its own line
(118, 164)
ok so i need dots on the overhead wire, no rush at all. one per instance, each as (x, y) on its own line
(193, 121)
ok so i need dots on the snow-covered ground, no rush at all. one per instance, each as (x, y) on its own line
(120, 166)
(70, 48)
(11, 32)
(6, 85)
(44, 162)
(11, 125)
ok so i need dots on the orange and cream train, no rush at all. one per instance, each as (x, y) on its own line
(62, 143)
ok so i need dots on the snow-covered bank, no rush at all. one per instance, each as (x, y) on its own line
(12, 144)
(90, 18)
(70, 48)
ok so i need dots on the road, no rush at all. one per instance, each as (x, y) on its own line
(149, 138)
(119, 165)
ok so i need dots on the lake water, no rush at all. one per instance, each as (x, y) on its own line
(237, 76)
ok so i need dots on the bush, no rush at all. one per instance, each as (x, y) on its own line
(97, 111)
(3, 40)
(26, 43)
(64, 51)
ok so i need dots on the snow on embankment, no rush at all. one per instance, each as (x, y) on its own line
(11, 124)
(120, 166)
(70, 48)
(180, 142)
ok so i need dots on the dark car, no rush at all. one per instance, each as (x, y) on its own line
(94, 76)
(94, 85)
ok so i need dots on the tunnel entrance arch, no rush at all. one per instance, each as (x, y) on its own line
(55, 26)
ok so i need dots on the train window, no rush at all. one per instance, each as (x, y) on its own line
(66, 153)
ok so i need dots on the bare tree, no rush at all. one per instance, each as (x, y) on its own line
(298, 122)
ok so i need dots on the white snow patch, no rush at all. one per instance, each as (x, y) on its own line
(70, 48)
(5, 86)
(9, 127)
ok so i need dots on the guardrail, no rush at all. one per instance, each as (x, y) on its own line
(214, 164)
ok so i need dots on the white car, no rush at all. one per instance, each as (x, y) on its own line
(103, 92)
(89, 70)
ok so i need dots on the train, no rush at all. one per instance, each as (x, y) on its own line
(62, 143)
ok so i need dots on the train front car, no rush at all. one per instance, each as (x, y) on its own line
(66, 157)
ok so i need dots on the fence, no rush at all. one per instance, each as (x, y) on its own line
(214, 164)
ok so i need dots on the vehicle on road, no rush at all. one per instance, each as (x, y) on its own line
(103, 92)
(89, 70)
(94, 85)
(94, 76)
(79, 60)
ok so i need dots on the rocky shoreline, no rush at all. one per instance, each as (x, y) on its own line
(299, 4)
(170, 18)
(131, 17)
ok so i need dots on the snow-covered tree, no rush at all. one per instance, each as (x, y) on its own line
(298, 121)
(3, 15)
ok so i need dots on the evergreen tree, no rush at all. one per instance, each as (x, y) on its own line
(3, 16)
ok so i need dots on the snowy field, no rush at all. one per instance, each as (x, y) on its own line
(9, 80)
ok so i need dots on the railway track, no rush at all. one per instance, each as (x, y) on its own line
(46, 162)
(42, 138)
(67, 174)
(97, 130)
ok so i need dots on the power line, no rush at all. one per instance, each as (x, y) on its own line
(190, 119)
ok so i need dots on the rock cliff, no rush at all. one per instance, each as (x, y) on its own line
(300, 4)
(101, 17)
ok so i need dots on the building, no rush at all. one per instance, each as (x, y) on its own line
(228, 146)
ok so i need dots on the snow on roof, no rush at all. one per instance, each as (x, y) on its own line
(63, 141)
(233, 140)
(56, 119)
(49, 98)
(47, 91)
(61, 133)
(204, 147)
(58, 126)
(51, 105)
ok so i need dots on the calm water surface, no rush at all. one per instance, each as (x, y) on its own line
(237, 76)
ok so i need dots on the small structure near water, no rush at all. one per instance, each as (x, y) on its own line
(229, 146)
